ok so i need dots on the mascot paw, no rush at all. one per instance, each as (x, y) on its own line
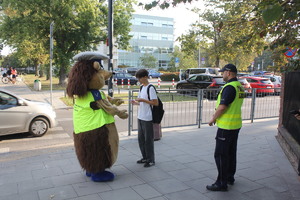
(103, 176)
(123, 114)
(118, 102)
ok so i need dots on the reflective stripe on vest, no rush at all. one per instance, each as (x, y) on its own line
(231, 119)
(87, 119)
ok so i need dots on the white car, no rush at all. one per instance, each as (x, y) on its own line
(276, 80)
(18, 115)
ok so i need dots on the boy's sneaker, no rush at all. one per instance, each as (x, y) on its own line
(149, 164)
(142, 161)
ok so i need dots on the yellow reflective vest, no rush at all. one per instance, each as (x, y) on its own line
(87, 119)
(231, 119)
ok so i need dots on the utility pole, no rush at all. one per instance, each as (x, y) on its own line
(51, 57)
(110, 45)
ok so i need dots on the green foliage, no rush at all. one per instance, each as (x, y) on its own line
(170, 76)
(148, 61)
(80, 25)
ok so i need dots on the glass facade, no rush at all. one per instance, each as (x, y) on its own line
(152, 35)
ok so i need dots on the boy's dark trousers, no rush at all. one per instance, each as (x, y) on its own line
(145, 138)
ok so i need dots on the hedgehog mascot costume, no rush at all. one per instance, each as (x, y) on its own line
(96, 139)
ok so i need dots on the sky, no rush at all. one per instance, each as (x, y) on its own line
(181, 14)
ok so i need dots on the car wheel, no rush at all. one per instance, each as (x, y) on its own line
(38, 127)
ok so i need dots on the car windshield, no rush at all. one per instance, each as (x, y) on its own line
(197, 71)
(242, 80)
(127, 75)
(266, 81)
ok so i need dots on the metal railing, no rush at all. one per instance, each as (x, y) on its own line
(196, 107)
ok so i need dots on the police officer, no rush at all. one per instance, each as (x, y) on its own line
(229, 121)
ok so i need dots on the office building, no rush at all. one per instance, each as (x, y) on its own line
(150, 34)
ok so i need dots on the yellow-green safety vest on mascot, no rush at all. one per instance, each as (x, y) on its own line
(231, 119)
(87, 119)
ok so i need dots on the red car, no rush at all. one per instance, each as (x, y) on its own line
(264, 85)
(246, 85)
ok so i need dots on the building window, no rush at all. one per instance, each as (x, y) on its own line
(144, 37)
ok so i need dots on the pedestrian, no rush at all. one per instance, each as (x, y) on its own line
(145, 125)
(229, 122)
(13, 75)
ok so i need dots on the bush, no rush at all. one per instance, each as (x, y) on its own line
(170, 76)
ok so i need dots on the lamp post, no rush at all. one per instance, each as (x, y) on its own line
(110, 45)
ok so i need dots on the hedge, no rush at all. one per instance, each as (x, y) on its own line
(169, 76)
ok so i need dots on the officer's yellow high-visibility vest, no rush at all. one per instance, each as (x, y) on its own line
(87, 119)
(231, 119)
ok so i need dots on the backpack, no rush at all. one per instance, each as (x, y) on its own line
(157, 111)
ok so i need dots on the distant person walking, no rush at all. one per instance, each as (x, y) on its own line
(145, 125)
(14, 74)
(229, 121)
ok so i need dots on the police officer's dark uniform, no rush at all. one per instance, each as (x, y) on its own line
(229, 124)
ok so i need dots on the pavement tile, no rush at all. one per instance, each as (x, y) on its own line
(34, 185)
(88, 197)
(171, 165)
(68, 179)
(243, 185)
(152, 174)
(57, 193)
(8, 189)
(186, 174)
(253, 174)
(88, 188)
(274, 183)
(200, 184)
(189, 194)
(46, 173)
(268, 194)
(229, 195)
(32, 195)
(126, 180)
(168, 185)
(146, 191)
(124, 194)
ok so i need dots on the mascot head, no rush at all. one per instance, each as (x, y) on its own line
(87, 73)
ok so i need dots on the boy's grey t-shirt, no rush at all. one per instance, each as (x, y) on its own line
(145, 112)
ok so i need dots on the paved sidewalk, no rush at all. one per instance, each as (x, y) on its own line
(184, 166)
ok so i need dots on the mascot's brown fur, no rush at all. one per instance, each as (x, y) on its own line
(96, 149)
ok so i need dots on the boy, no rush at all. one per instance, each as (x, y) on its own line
(145, 125)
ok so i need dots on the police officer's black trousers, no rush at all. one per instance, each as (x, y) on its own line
(225, 155)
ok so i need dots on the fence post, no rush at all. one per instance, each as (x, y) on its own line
(130, 111)
(199, 107)
(253, 104)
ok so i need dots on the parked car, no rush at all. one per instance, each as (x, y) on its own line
(276, 80)
(199, 81)
(125, 76)
(264, 85)
(246, 85)
(154, 74)
(131, 70)
(20, 115)
(214, 88)
(193, 71)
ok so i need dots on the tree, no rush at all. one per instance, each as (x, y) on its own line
(148, 60)
(278, 18)
(80, 25)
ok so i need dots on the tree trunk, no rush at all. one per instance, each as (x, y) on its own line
(37, 69)
(62, 76)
